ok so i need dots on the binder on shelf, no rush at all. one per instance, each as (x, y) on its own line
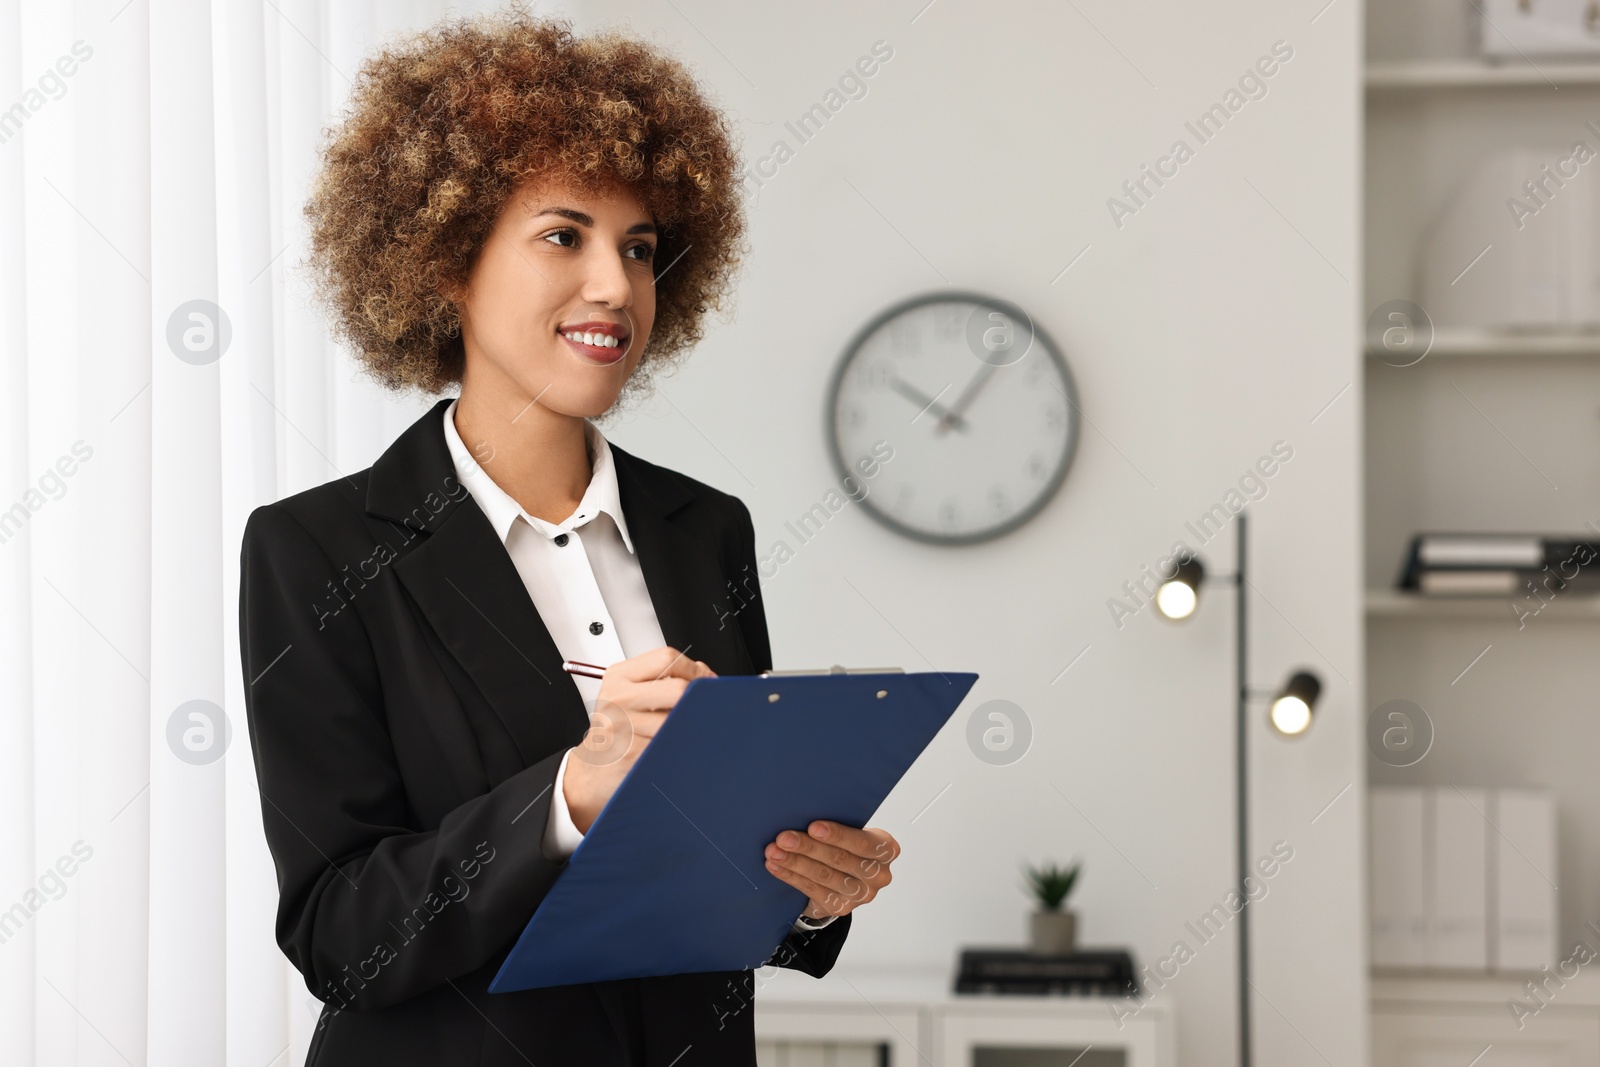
(1478, 564)
(1459, 919)
(1398, 841)
(1524, 850)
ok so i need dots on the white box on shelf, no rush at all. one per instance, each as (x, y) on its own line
(1514, 29)
(1524, 860)
(1458, 923)
(1398, 910)
(1514, 247)
(1463, 879)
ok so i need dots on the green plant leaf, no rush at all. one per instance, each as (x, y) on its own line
(1050, 884)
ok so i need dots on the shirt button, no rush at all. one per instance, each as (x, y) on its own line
(597, 627)
(560, 539)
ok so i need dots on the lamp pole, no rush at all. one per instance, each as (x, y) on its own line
(1291, 716)
(1241, 785)
(1294, 701)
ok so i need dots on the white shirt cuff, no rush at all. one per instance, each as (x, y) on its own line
(561, 835)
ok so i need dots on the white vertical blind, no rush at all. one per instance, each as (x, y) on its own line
(16, 602)
(108, 104)
(162, 156)
(188, 947)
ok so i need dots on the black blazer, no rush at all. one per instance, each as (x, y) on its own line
(408, 712)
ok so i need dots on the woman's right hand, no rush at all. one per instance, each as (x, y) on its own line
(635, 696)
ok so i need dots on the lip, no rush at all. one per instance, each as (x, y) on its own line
(597, 353)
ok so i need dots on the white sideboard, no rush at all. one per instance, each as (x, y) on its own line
(843, 1020)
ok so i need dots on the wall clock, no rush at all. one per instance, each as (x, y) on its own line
(977, 404)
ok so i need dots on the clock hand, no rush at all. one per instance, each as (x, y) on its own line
(966, 397)
(911, 392)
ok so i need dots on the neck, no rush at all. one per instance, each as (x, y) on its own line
(538, 456)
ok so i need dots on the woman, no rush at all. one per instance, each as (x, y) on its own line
(541, 220)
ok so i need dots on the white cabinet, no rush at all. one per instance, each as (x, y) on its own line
(838, 1033)
(995, 1031)
(847, 1018)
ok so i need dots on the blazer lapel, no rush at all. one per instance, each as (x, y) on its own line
(681, 568)
(462, 578)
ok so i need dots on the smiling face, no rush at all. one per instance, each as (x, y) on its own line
(560, 302)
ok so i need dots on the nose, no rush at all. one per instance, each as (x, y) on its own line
(606, 281)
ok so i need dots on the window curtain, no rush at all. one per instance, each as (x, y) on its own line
(162, 373)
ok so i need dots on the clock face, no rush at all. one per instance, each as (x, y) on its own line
(977, 406)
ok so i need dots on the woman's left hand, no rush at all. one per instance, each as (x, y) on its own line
(839, 867)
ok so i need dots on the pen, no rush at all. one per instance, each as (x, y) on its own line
(583, 670)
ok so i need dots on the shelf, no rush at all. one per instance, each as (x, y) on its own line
(1426, 74)
(1451, 344)
(1485, 988)
(1392, 604)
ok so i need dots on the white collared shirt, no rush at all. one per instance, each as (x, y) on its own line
(584, 579)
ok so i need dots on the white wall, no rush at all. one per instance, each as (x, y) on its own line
(1219, 319)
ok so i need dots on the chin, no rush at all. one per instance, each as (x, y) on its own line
(568, 399)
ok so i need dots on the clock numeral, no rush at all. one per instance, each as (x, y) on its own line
(1055, 417)
(1036, 465)
(876, 374)
(1033, 373)
(997, 497)
(904, 335)
(949, 512)
(902, 499)
(949, 320)
(850, 416)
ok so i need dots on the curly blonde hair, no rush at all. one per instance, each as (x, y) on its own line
(443, 126)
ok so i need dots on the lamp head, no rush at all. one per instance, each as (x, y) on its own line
(1292, 707)
(1178, 596)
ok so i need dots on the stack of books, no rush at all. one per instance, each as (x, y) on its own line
(1107, 972)
(1463, 564)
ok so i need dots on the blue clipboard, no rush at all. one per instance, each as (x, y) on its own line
(671, 878)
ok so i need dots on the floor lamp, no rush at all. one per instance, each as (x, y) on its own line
(1289, 713)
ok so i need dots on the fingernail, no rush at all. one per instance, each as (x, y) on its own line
(788, 840)
(820, 830)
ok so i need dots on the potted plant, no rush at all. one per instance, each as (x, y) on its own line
(1052, 931)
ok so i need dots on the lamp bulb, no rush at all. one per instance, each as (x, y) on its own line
(1176, 600)
(1290, 715)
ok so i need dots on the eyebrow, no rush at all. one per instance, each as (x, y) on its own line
(586, 220)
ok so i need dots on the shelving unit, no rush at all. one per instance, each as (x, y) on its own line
(1493, 432)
